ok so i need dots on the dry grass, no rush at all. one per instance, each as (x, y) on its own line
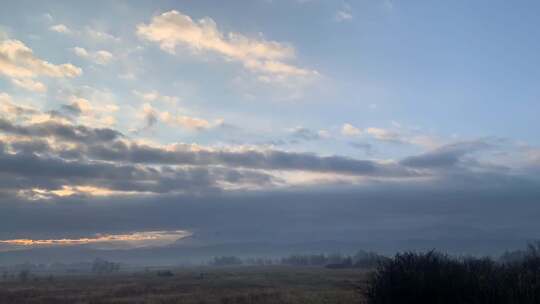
(228, 285)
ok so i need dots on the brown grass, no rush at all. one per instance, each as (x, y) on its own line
(228, 285)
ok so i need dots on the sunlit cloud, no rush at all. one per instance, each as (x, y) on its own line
(152, 115)
(100, 57)
(66, 190)
(135, 239)
(60, 28)
(20, 65)
(350, 130)
(261, 56)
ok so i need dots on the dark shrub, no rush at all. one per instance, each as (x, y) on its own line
(433, 277)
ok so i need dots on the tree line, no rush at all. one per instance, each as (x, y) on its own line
(361, 259)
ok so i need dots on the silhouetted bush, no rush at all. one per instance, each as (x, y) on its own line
(434, 277)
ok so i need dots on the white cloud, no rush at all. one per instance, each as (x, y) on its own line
(18, 62)
(60, 28)
(404, 136)
(344, 14)
(152, 115)
(94, 113)
(173, 29)
(30, 85)
(192, 123)
(48, 17)
(86, 33)
(156, 96)
(16, 111)
(324, 134)
(98, 35)
(350, 130)
(81, 52)
(99, 57)
(384, 134)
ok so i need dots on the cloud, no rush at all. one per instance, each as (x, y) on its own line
(60, 130)
(350, 130)
(87, 32)
(60, 28)
(18, 63)
(101, 57)
(446, 156)
(30, 85)
(152, 116)
(188, 122)
(306, 134)
(367, 148)
(134, 239)
(12, 111)
(91, 174)
(100, 36)
(274, 160)
(344, 14)
(52, 157)
(264, 57)
(156, 96)
(384, 134)
(403, 135)
(386, 217)
(47, 176)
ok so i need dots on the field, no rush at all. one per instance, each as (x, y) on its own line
(256, 284)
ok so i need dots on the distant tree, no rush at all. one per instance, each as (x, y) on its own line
(103, 266)
(335, 258)
(226, 261)
(165, 273)
(24, 275)
(363, 259)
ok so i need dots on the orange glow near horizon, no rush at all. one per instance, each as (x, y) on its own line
(136, 237)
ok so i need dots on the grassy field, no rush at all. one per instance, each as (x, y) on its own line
(261, 284)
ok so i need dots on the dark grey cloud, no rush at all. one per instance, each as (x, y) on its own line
(267, 160)
(75, 133)
(446, 156)
(71, 109)
(28, 170)
(380, 216)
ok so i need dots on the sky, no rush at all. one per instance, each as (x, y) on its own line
(382, 122)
